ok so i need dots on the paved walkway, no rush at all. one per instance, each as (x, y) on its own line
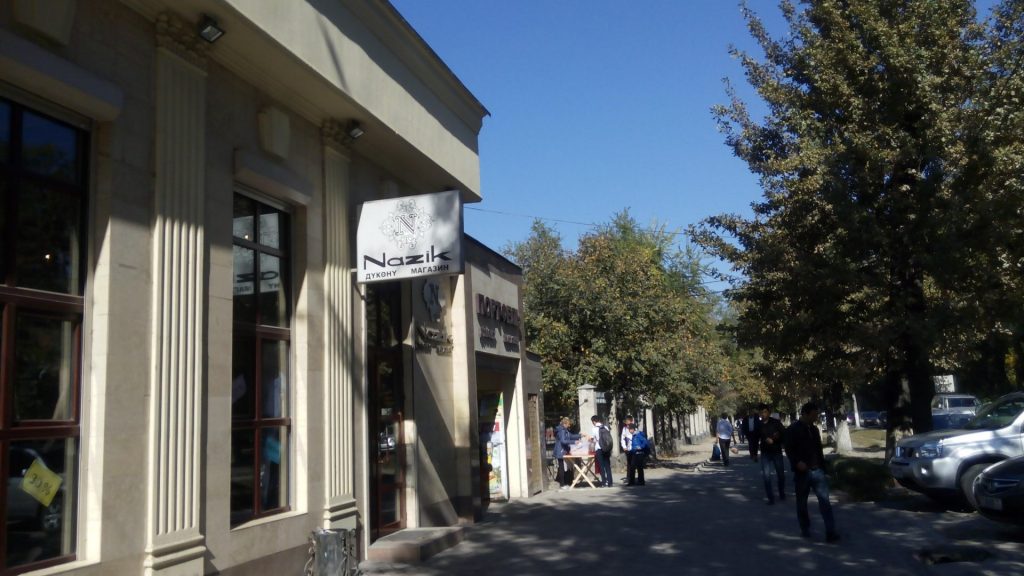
(710, 520)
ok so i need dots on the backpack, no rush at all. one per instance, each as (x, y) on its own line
(604, 439)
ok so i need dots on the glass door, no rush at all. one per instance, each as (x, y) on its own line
(385, 371)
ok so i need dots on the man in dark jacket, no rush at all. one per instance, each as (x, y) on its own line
(752, 428)
(771, 454)
(803, 446)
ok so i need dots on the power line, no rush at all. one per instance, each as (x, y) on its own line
(703, 269)
(532, 217)
(573, 222)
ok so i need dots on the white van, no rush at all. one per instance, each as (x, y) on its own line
(953, 410)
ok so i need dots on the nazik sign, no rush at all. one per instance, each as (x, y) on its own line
(410, 237)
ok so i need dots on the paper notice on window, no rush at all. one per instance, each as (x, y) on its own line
(40, 483)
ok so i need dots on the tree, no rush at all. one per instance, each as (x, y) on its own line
(624, 311)
(545, 295)
(852, 260)
(993, 226)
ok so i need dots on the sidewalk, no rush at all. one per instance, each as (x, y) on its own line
(696, 520)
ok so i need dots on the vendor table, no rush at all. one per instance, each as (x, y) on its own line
(584, 466)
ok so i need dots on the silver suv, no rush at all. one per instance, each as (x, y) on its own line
(944, 463)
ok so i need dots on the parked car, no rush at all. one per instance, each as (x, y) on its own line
(883, 419)
(869, 419)
(999, 491)
(945, 463)
(953, 410)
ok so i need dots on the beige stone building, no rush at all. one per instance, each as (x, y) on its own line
(194, 374)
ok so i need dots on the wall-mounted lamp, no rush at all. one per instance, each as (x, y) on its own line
(209, 30)
(354, 130)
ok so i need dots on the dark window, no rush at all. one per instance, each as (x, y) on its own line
(42, 209)
(5, 131)
(261, 424)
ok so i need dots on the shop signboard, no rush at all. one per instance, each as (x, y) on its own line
(410, 237)
(498, 323)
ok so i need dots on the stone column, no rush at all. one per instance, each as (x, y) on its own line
(339, 459)
(174, 543)
(587, 397)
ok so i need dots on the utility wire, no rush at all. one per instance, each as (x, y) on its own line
(703, 269)
(546, 219)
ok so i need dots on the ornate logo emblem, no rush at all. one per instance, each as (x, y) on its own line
(434, 299)
(407, 224)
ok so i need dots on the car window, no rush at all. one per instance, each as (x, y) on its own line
(937, 403)
(997, 415)
(961, 402)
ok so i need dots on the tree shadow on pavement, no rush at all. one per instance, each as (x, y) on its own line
(713, 521)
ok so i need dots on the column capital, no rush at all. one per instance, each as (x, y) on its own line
(179, 36)
(334, 133)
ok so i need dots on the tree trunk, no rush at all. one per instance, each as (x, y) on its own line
(922, 388)
(844, 444)
(897, 403)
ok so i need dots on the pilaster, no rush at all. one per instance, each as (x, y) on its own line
(175, 544)
(339, 463)
(466, 403)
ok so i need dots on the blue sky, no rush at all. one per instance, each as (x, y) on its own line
(597, 106)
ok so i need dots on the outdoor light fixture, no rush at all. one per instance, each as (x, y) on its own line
(354, 130)
(208, 29)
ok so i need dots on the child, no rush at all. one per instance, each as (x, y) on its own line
(641, 447)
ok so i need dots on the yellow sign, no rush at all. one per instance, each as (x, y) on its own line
(40, 483)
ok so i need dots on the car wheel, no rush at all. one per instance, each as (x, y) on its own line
(967, 483)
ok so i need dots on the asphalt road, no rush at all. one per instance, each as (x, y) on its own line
(714, 521)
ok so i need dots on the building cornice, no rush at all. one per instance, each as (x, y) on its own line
(401, 38)
(352, 60)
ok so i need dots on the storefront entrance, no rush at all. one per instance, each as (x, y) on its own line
(493, 468)
(386, 378)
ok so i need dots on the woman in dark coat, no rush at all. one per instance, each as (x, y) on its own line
(563, 442)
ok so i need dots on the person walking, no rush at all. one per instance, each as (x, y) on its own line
(772, 433)
(563, 444)
(603, 449)
(752, 428)
(806, 458)
(640, 447)
(739, 428)
(724, 432)
(626, 443)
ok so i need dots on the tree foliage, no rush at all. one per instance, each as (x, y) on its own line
(624, 311)
(888, 240)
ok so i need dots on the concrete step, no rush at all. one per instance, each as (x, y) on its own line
(414, 545)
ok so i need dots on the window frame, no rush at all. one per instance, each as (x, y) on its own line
(66, 306)
(260, 334)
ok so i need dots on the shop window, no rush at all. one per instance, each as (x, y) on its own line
(261, 425)
(42, 209)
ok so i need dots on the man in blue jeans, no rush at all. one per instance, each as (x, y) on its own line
(603, 453)
(771, 454)
(803, 446)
